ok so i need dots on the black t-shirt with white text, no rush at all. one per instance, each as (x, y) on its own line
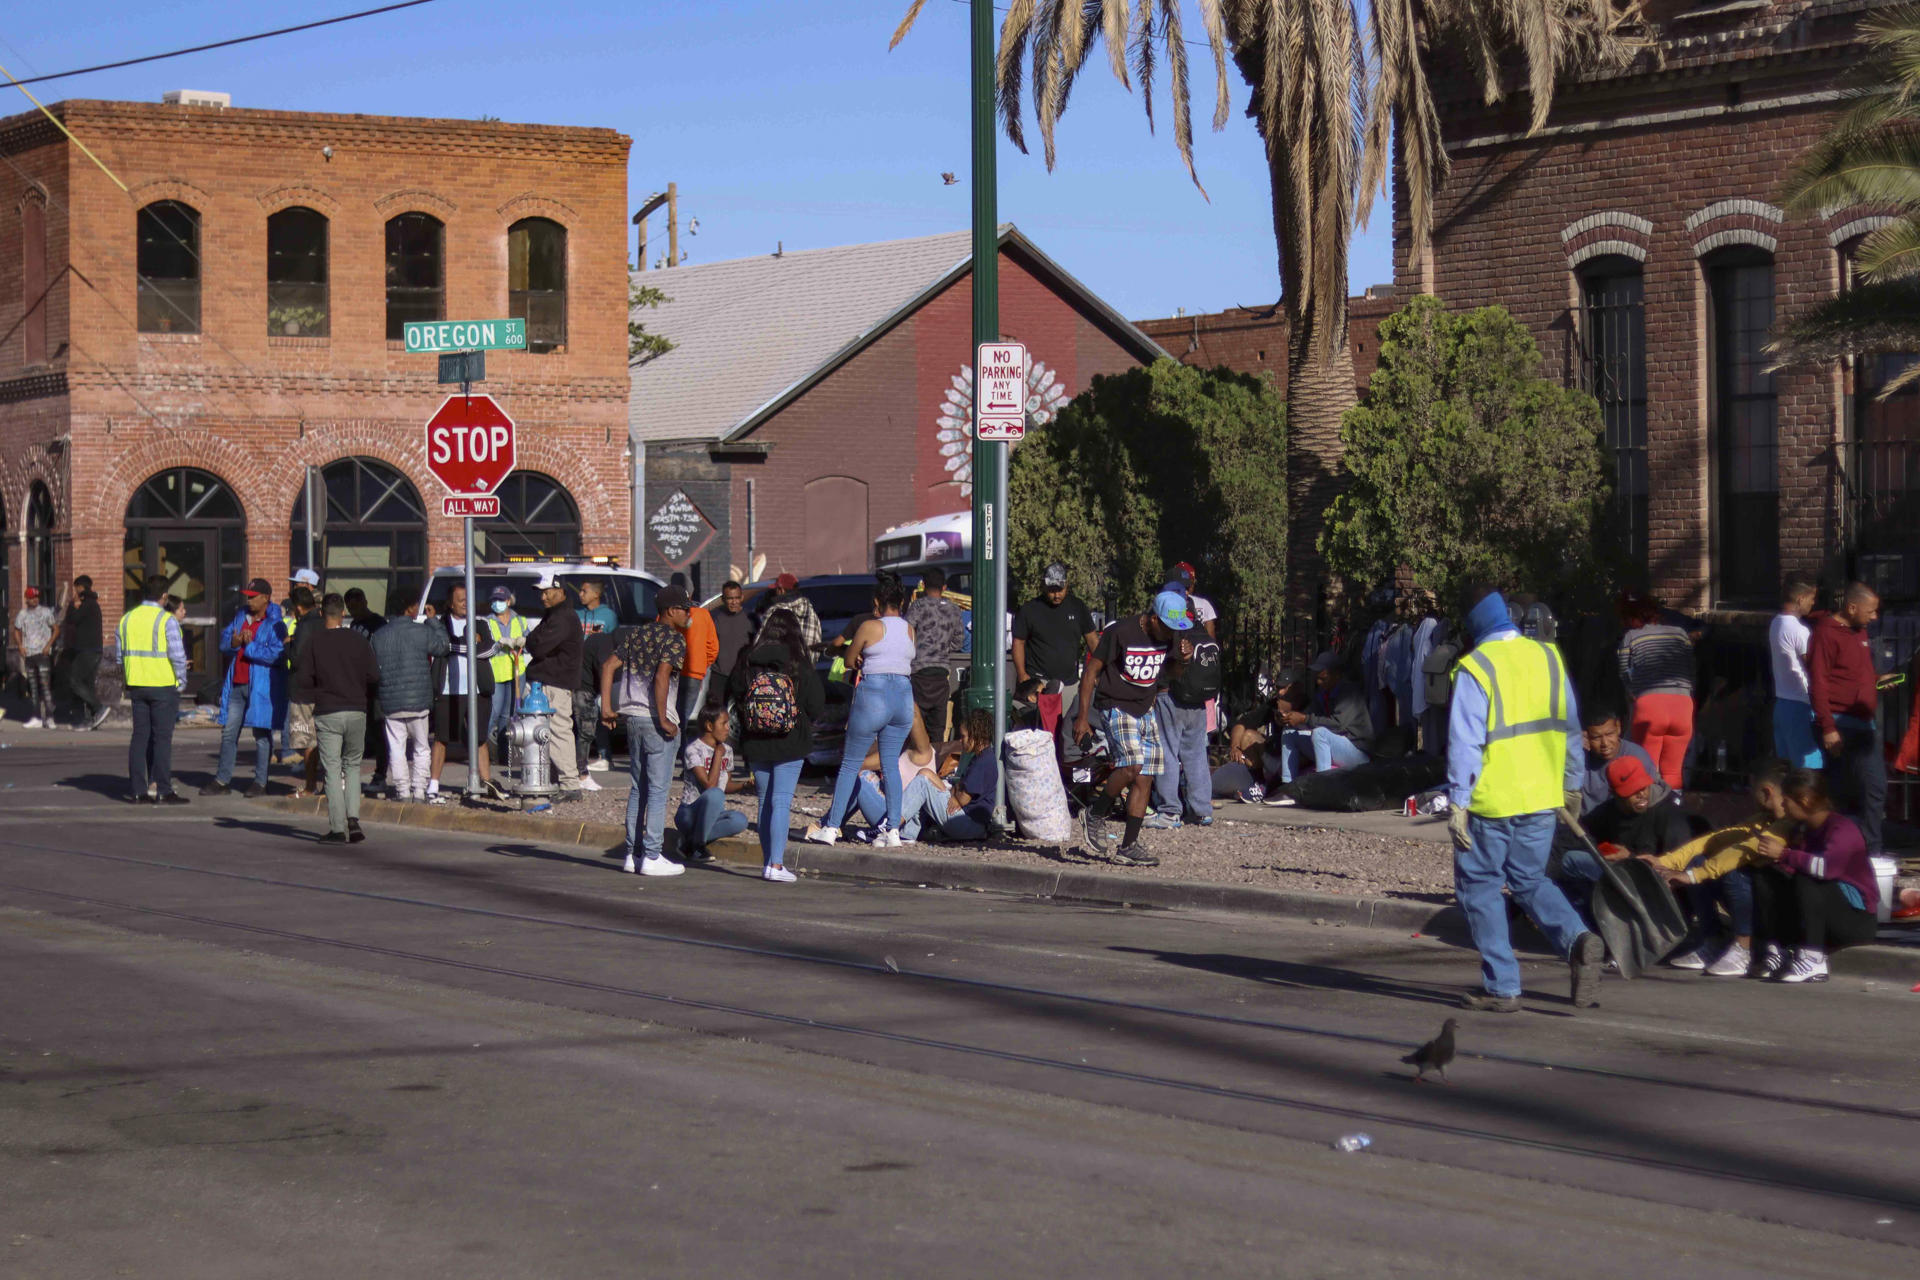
(1131, 664)
(1054, 636)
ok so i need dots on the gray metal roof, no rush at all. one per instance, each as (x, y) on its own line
(753, 333)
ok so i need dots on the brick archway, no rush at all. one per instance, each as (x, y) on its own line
(1606, 234)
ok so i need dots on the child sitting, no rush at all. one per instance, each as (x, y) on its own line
(1717, 871)
(962, 811)
(704, 816)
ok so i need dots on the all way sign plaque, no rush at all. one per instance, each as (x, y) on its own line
(471, 506)
(425, 337)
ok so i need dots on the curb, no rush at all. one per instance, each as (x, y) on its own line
(1070, 884)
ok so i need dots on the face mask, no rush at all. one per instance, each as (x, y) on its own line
(499, 606)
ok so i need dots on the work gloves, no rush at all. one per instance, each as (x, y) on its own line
(1457, 828)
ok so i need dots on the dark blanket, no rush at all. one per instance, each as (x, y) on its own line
(1377, 784)
(1636, 915)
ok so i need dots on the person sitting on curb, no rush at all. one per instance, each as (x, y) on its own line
(704, 816)
(1716, 870)
(1243, 777)
(962, 810)
(1644, 815)
(1817, 892)
(1336, 728)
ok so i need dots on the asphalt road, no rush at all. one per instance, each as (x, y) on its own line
(226, 1050)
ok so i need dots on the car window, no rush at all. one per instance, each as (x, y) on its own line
(840, 600)
(632, 599)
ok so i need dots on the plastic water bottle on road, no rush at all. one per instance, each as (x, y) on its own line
(1353, 1142)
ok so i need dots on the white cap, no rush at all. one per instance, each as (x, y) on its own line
(547, 580)
(306, 578)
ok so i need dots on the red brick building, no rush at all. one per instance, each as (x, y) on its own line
(1254, 339)
(1636, 234)
(175, 355)
(816, 398)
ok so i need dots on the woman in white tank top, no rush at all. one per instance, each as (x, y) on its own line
(882, 651)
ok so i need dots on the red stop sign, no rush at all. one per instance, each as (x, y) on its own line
(470, 444)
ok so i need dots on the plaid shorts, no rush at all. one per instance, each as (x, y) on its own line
(1134, 740)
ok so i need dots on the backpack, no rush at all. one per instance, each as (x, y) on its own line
(771, 708)
(1200, 679)
(1437, 671)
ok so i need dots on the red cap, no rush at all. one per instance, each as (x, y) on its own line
(786, 582)
(33, 593)
(1627, 776)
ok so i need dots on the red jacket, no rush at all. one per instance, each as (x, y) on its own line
(1840, 676)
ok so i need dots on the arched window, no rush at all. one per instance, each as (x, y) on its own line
(537, 518)
(168, 262)
(416, 271)
(537, 280)
(1614, 334)
(372, 533)
(1745, 426)
(297, 274)
(187, 526)
(39, 548)
(33, 279)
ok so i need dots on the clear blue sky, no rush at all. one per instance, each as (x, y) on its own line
(781, 120)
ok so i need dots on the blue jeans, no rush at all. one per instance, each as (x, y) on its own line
(775, 784)
(1793, 739)
(1183, 732)
(882, 709)
(1734, 890)
(925, 804)
(156, 710)
(1857, 777)
(1511, 852)
(650, 757)
(707, 819)
(230, 738)
(1329, 749)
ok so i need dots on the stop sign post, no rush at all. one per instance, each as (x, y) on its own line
(470, 450)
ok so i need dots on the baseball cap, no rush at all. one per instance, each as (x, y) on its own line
(1055, 576)
(1171, 608)
(547, 580)
(1627, 776)
(501, 593)
(258, 587)
(671, 598)
(1181, 573)
(33, 593)
(306, 578)
(786, 582)
(1325, 662)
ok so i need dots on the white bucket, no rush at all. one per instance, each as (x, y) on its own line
(1884, 869)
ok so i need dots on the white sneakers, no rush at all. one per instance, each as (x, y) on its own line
(1733, 962)
(35, 723)
(654, 866)
(1694, 959)
(817, 834)
(885, 837)
(588, 784)
(778, 874)
(596, 766)
(1809, 965)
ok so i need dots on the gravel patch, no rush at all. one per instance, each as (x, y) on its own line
(1316, 859)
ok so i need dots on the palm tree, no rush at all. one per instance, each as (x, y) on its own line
(1870, 157)
(1328, 94)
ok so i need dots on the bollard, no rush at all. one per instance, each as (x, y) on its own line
(527, 731)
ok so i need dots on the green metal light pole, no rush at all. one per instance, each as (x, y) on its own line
(989, 495)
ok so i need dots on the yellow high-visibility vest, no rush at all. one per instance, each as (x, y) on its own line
(506, 664)
(1523, 767)
(143, 648)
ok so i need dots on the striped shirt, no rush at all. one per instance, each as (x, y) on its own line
(1656, 658)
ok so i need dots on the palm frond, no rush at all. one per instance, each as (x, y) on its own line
(1856, 166)
(906, 23)
(1875, 318)
(1891, 252)
(1007, 71)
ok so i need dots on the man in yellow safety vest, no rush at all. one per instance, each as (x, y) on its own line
(1515, 765)
(153, 659)
(509, 662)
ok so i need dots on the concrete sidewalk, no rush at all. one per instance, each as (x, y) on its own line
(1897, 957)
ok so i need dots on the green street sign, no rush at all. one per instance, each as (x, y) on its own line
(434, 336)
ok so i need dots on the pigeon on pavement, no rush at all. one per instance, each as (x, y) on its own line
(1435, 1054)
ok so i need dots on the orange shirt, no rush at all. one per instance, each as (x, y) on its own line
(703, 643)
